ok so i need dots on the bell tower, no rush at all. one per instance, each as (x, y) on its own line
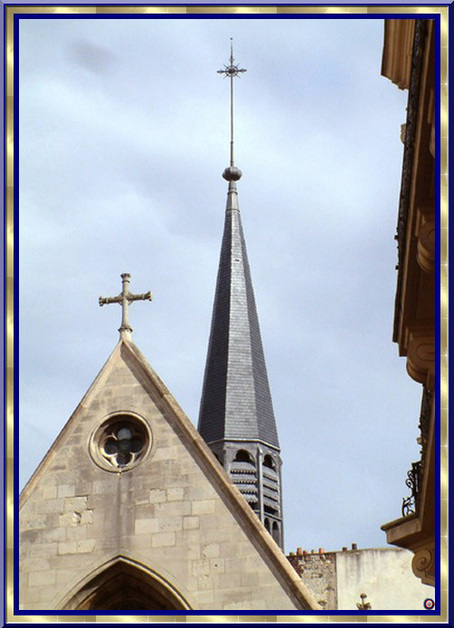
(236, 412)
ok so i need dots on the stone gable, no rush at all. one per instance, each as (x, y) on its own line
(169, 521)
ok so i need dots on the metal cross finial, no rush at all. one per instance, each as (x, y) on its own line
(124, 299)
(232, 70)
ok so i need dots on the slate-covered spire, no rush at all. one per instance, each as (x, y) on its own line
(236, 413)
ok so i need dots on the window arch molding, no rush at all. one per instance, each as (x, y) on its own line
(124, 584)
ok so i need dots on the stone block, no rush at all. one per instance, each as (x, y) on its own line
(86, 518)
(200, 567)
(232, 564)
(66, 490)
(101, 487)
(230, 580)
(33, 596)
(83, 487)
(75, 533)
(175, 494)
(166, 453)
(142, 497)
(172, 509)
(41, 578)
(75, 519)
(49, 492)
(208, 582)
(163, 539)
(68, 519)
(157, 496)
(239, 606)
(203, 507)
(195, 491)
(217, 565)
(171, 524)
(51, 505)
(210, 528)
(43, 550)
(146, 526)
(78, 503)
(54, 535)
(85, 546)
(37, 564)
(191, 523)
(193, 552)
(36, 522)
(205, 597)
(250, 579)
(44, 595)
(211, 550)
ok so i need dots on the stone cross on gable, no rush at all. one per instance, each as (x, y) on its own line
(124, 299)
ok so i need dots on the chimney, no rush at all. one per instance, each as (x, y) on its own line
(321, 550)
(354, 546)
(299, 551)
(344, 549)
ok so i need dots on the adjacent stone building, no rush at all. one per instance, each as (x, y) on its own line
(347, 579)
(409, 62)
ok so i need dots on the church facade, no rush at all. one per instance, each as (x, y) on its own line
(134, 509)
(130, 510)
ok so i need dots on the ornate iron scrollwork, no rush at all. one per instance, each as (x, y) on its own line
(424, 418)
(413, 481)
(410, 504)
(410, 131)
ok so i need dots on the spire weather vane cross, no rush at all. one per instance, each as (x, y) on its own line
(232, 71)
(124, 299)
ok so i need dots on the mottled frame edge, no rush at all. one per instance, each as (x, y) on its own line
(10, 257)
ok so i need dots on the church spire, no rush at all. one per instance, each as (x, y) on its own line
(236, 413)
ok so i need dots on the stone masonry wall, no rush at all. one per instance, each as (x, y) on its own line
(170, 513)
(384, 575)
(318, 572)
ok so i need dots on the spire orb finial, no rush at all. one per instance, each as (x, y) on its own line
(232, 173)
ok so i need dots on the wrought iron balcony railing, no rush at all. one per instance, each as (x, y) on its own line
(414, 476)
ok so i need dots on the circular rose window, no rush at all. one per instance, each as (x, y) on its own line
(120, 443)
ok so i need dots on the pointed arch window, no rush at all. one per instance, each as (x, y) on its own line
(126, 585)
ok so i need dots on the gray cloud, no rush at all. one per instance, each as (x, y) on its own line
(92, 57)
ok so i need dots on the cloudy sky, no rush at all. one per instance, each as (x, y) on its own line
(124, 134)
